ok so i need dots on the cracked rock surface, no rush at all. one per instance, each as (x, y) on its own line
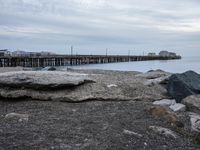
(77, 86)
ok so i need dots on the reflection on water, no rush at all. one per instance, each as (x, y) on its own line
(175, 66)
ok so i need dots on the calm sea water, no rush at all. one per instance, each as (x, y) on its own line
(174, 66)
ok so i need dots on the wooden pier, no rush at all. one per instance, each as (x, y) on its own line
(69, 60)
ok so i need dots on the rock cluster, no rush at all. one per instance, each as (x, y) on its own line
(185, 89)
(193, 106)
(170, 103)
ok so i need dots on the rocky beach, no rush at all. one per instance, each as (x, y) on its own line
(98, 109)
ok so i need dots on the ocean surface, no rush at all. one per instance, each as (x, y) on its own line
(174, 66)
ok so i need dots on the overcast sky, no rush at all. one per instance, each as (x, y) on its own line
(91, 26)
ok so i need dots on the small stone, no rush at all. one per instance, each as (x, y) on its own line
(23, 119)
(111, 85)
(132, 133)
(163, 131)
(20, 117)
(74, 110)
(58, 140)
(165, 102)
(178, 107)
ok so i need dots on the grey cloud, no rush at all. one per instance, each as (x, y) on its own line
(98, 24)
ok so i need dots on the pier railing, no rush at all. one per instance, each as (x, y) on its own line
(67, 60)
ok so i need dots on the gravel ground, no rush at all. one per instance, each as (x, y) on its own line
(93, 124)
(88, 126)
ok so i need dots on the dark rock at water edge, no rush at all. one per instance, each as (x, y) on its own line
(183, 85)
(49, 69)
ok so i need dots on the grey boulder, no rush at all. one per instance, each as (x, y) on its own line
(195, 122)
(183, 85)
(192, 103)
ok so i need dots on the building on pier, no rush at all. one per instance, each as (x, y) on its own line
(5, 52)
(167, 54)
(151, 54)
(19, 53)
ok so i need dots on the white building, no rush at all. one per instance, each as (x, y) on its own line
(5, 52)
(171, 54)
(20, 53)
(46, 53)
(164, 53)
(167, 54)
(32, 54)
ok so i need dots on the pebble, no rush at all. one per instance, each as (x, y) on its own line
(132, 133)
(111, 85)
(20, 117)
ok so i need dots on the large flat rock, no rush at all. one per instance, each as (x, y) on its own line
(70, 87)
(42, 80)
